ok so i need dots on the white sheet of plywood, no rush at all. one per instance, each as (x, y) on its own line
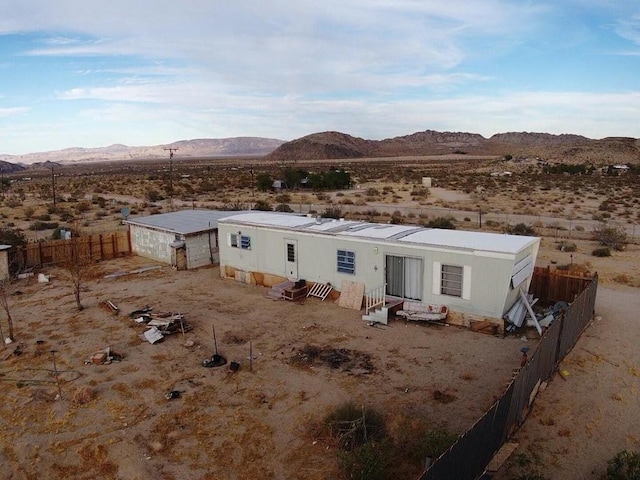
(351, 294)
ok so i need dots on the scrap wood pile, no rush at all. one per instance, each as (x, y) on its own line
(160, 324)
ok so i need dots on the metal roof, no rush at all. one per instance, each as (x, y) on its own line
(184, 222)
(400, 234)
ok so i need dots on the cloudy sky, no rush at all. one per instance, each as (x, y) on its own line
(143, 72)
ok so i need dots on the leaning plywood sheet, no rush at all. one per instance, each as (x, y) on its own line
(351, 295)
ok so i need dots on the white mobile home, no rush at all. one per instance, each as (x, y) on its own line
(185, 239)
(471, 272)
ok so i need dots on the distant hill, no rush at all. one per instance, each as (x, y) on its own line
(205, 147)
(556, 148)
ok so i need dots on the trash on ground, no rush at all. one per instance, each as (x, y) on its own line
(215, 361)
(172, 394)
(110, 307)
(103, 357)
(152, 335)
(165, 323)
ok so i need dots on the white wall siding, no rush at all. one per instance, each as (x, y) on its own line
(486, 278)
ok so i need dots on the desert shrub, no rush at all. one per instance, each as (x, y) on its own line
(283, 207)
(579, 228)
(83, 206)
(283, 198)
(370, 461)
(613, 236)
(372, 192)
(566, 246)
(351, 425)
(39, 225)
(601, 252)
(262, 205)
(82, 396)
(441, 222)
(520, 229)
(153, 195)
(435, 442)
(12, 236)
(623, 278)
(624, 466)
(100, 201)
(492, 223)
(44, 217)
(420, 192)
(29, 211)
(467, 219)
(332, 212)
(234, 206)
(13, 202)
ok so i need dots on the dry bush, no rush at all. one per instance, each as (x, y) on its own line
(82, 396)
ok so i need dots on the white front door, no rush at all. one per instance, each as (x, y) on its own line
(291, 258)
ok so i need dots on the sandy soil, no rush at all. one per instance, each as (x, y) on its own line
(114, 421)
(581, 421)
(261, 423)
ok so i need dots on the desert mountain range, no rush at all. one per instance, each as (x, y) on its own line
(335, 145)
(555, 148)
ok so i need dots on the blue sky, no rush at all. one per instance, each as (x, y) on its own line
(93, 73)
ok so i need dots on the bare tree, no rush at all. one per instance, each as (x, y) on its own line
(7, 289)
(77, 264)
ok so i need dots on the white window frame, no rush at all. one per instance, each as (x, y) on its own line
(437, 287)
(237, 240)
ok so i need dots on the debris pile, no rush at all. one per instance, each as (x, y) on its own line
(160, 324)
(103, 357)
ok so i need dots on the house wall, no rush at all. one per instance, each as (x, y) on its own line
(201, 249)
(153, 244)
(488, 277)
(4, 264)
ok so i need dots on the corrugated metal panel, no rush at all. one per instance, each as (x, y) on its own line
(184, 222)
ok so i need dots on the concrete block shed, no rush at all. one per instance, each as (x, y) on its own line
(185, 239)
(478, 273)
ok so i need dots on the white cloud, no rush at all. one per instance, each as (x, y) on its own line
(12, 111)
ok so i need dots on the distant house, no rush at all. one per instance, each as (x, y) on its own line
(185, 239)
(472, 272)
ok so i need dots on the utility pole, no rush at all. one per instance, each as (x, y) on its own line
(53, 187)
(171, 151)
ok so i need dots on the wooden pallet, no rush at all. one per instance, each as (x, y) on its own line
(320, 290)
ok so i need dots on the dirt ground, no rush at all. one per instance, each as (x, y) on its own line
(582, 420)
(114, 421)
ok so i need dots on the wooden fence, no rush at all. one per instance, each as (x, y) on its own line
(555, 285)
(95, 247)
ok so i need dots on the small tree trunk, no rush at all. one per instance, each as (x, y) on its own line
(76, 294)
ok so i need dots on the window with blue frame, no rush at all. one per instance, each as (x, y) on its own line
(347, 262)
(241, 241)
